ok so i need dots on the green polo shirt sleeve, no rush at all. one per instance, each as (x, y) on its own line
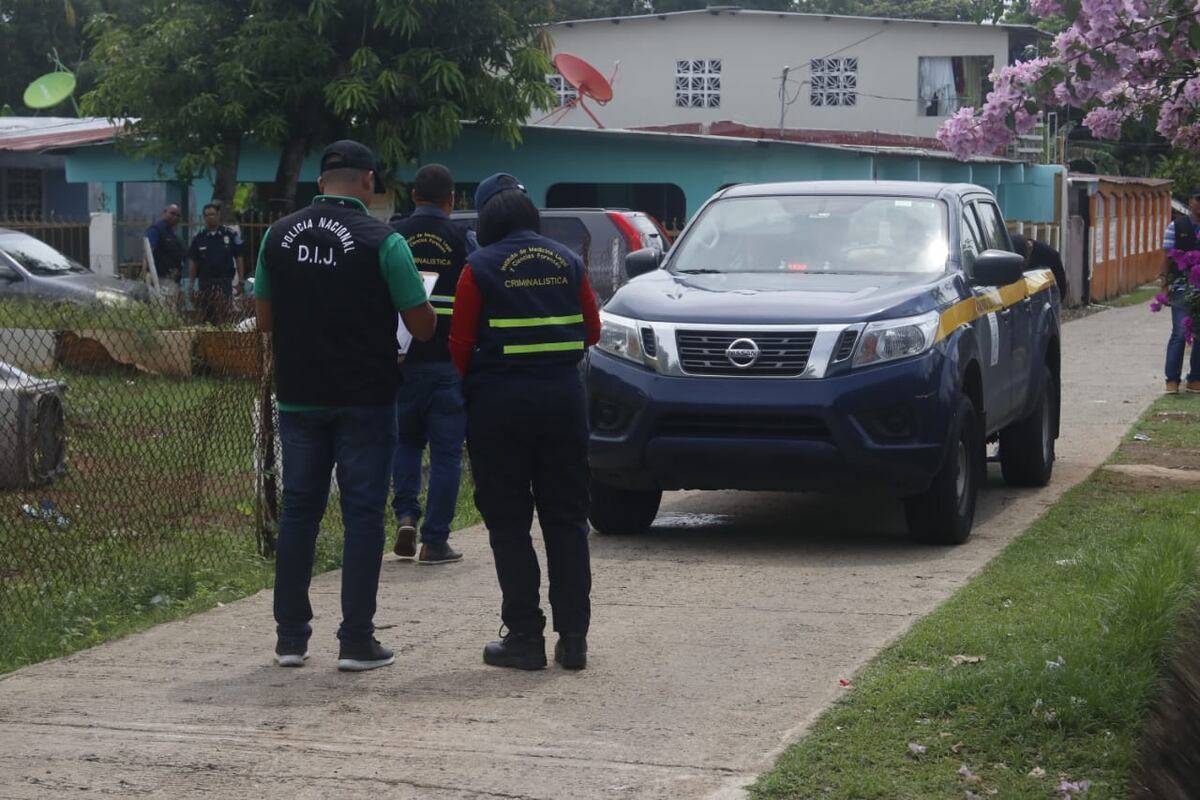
(262, 286)
(400, 273)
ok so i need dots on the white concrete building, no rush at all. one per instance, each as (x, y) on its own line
(842, 73)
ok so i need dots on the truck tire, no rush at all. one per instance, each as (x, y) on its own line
(943, 513)
(1027, 446)
(622, 512)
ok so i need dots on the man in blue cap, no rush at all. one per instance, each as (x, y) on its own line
(329, 282)
(524, 314)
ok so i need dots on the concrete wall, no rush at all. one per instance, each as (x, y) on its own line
(754, 48)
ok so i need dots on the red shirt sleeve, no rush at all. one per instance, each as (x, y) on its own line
(464, 325)
(591, 314)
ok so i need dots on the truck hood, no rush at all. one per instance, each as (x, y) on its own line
(781, 298)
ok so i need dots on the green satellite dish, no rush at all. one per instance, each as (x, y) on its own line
(49, 90)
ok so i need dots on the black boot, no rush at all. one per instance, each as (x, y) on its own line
(517, 650)
(571, 650)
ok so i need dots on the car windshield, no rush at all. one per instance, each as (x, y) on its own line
(37, 257)
(807, 234)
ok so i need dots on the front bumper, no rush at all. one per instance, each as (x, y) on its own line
(882, 428)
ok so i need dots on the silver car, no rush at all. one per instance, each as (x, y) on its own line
(31, 268)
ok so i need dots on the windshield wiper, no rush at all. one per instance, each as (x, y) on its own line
(699, 271)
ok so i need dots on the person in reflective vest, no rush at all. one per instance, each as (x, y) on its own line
(524, 314)
(429, 406)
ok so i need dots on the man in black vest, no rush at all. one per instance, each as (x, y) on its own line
(429, 407)
(1181, 235)
(524, 314)
(329, 281)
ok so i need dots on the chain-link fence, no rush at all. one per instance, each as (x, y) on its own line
(132, 446)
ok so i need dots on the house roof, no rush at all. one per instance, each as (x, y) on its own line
(39, 134)
(717, 11)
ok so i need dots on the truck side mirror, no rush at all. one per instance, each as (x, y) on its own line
(639, 262)
(998, 268)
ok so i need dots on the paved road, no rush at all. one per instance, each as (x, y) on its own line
(716, 640)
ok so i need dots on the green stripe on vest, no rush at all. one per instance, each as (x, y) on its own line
(536, 322)
(547, 347)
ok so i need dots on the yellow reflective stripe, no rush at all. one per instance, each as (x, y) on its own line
(536, 322)
(445, 312)
(546, 347)
(1039, 280)
(441, 298)
(988, 302)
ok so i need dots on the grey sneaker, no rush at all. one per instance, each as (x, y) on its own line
(406, 539)
(438, 554)
(362, 656)
(290, 653)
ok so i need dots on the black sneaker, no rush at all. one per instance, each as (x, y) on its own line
(290, 653)
(438, 554)
(362, 656)
(517, 650)
(406, 539)
(571, 650)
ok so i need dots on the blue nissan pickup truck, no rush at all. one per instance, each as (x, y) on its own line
(849, 337)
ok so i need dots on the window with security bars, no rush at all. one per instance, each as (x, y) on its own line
(698, 83)
(833, 82)
(565, 91)
(23, 193)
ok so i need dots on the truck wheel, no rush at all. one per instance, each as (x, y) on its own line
(944, 512)
(1027, 446)
(622, 512)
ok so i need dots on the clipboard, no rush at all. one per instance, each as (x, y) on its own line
(403, 337)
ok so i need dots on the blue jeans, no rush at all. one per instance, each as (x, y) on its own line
(1176, 344)
(429, 410)
(359, 440)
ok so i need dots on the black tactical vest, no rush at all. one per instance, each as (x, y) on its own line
(335, 325)
(438, 245)
(531, 321)
(168, 255)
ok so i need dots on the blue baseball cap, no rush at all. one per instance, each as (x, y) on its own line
(494, 185)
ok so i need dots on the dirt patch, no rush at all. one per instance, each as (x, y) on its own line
(1169, 457)
(1079, 312)
(1187, 478)
(1168, 766)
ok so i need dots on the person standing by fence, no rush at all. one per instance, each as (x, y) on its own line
(524, 314)
(329, 281)
(215, 256)
(1183, 233)
(429, 407)
(167, 250)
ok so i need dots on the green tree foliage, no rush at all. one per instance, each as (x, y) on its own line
(1183, 170)
(204, 75)
(33, 31)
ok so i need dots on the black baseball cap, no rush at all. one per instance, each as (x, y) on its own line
(494, 185)
(348, 154)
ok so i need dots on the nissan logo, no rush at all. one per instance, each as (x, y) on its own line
(743, 353)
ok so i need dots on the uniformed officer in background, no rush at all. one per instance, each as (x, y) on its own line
(429, 407)
(524, 312)
(329, 282)
(216, 256)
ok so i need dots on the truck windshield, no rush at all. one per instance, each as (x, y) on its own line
(804, 234)
(38, 257)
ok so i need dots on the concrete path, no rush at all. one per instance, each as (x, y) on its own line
(716, 640)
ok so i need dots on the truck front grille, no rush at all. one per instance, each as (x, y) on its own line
(781, 354)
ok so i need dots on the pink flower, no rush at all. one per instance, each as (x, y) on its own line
(1045, 8)
(1105, 123)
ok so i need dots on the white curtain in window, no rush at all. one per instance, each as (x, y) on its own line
(936, 81)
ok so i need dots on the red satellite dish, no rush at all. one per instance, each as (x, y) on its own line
(587, 82)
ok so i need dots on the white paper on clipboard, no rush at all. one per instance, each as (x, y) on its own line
(403, 337)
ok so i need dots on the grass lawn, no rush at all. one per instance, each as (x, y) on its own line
(153, 521)
(1139, 296)
(1064, 633)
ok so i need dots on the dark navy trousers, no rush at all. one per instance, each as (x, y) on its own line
(527, 439)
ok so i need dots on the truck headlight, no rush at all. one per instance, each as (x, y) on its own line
(621, 337)
(110, 298)
(888, 340)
